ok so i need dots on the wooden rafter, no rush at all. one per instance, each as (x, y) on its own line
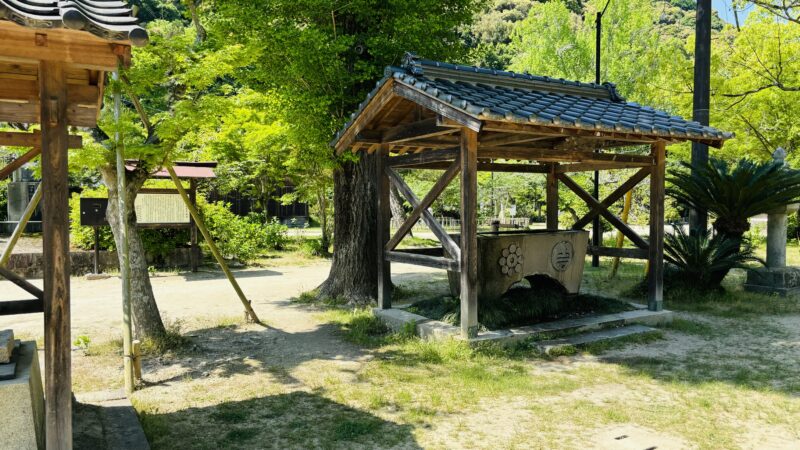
(426, 128)
(439, 107)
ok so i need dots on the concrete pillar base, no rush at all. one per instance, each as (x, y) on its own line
(780, 280)
(22, 402)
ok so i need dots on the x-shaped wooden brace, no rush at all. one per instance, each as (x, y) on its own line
(421, 209)
(598, 208)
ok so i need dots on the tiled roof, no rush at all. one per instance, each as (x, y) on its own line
(488, 94)
(112, 20)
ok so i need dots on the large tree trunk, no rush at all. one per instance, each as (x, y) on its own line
(353, 272)
(396, 205)
(146, 317)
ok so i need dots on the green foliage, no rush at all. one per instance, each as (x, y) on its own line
(702, 261)
(733, 194)
(241, 238)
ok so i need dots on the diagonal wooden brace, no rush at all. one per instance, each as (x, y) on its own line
(615, 221)
(613, 197)
(426, 202)
(450, 247)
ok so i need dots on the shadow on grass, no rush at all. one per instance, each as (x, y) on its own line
(215, 273)
(293, 420)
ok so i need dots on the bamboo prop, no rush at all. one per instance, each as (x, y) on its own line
(125, 268)
(626, 209)
(214, 250)
(23, 222)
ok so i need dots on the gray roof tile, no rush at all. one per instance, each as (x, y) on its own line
(112, 20)
(492, 94)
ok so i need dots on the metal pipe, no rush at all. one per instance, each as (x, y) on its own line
(698, 219)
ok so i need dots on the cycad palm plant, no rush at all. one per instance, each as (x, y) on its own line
(733, 194)
(703, 261)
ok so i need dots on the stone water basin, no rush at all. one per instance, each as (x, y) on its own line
(508, 257)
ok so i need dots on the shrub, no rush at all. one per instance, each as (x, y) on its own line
(703, 261)
(241, 238)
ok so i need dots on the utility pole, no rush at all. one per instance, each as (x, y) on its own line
(698, 219)
(597, 235)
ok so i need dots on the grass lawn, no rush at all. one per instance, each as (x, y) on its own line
(725, 374)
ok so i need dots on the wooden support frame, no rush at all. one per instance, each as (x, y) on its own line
(251, 314)
(469, 233)
(419, 208)
(435, 262)
(20, 228)
(55, 221)
(447, 242)
(551, 198)
(655, 275)
(612, 198)
(22, 283)
(383, 223)
(411, 132)
(594, 204)
(9, 168)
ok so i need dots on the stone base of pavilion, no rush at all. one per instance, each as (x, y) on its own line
(585, 329)
(781, 281)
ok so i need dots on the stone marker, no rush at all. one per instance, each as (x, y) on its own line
(776, 278)
(22, 403)
(6, 346)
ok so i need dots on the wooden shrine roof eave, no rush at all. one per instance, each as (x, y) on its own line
(451, 116)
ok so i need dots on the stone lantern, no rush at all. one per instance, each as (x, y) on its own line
(776, 277)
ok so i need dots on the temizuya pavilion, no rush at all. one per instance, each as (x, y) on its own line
(434, 115)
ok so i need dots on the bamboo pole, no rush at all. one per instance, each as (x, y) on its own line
(124, 268)
(214, 250)
(23, 222)
(626, 209)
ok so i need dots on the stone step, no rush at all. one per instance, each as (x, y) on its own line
(592, 337)
(590, 323)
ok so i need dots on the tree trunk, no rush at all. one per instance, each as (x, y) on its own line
(398, 212)
(146, 317)
(353, 272)
(325, 240)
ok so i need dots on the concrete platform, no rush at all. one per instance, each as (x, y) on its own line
(22, 402)
(398, 320)
(589, 338)
(106, 420)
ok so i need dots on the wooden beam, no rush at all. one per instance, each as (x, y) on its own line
(655, 275)
(9, 168)
(423, 260)
(22, 283)
(73, 47)
(440, 233)
(427, 201)
(439, 107)
(469, 233)
(633, 253)
(248, 308)
(28, 91)
(552, 198)
(373, 108)
(510, 138)
(614, 220)
(618, 193)
(34, 139)
(55, 245)
(15, 307)
(430, 156)
(426, 128)
(383, 222)
(550, 155)
(29, 113)
(592, 166)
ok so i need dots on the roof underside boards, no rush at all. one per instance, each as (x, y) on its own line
(109, 20)
(509, 109)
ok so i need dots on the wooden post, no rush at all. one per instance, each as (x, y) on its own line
(125, 268)
(20, 228)
(469, 233)
(137, 359)
(55, 237)
(383, 222)
(655, 288)
(552, 198)
(195, 250)
(248, 308)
